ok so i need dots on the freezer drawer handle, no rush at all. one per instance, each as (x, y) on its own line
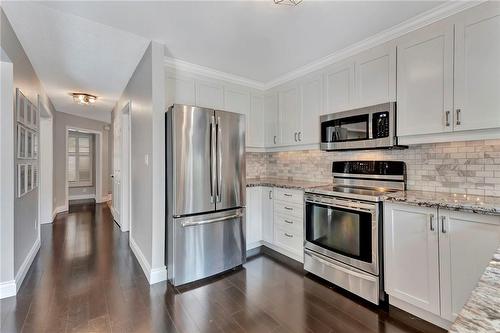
(217, 219)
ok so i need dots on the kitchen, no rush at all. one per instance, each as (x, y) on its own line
(338, 124)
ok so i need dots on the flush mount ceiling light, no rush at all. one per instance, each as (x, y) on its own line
(84, 99)
(287, 2)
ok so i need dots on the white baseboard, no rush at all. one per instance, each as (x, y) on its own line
(152, 275)
(58, 210)
(25, 266)
(8, 289)
(254, 245)
(285, 252)
(115, 215)
(82, 196)
(106, 198)
(422, 314)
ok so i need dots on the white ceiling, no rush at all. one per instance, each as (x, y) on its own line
(85, 46)
(73, 54)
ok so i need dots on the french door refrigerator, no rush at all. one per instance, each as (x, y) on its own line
(205, 192)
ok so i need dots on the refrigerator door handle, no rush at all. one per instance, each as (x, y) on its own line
(212, 159)
(217, 219)
(219, 160)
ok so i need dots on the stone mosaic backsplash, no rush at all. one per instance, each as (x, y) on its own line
(468, 167)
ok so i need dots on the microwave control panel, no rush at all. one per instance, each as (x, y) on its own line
(380, 125)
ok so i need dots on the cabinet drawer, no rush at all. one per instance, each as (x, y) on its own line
(290, 209)
(288, 240)
(288, 223)
(292, 196)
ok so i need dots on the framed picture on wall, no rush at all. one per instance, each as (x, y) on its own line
(29, 177)
(21, 141)
(20, 106)
(21, 180)
(29, 144)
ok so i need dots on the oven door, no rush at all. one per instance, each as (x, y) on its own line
(344, 230)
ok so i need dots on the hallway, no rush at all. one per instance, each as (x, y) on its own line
(86, 279)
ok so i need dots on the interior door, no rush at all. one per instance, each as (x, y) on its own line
(117, 193)
(230, 132)
(193, 136)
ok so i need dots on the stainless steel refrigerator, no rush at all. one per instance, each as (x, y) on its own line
(205, 192)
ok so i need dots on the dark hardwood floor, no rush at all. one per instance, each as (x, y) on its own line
(86, 279)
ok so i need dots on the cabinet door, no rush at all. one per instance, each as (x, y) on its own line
(339, 88)
(180, 90)
(255, 122)
(467, 243)
(271, 127)
(289, 115)
(253, 217)
(477, 68)
(411, 255)
(425, 80)
(311, 106)
(237, 101)
(209, 95)
(267, 214)
(376, 75)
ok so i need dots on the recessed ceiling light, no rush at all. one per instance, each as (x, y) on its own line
(84, 99)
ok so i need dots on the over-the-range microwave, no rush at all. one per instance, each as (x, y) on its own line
(372, 127)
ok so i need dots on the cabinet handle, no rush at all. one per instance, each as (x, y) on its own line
(295, 136)
(431, 222)
(447, 113)
(289, 222)
(288, 235)
(300, 134)
(459, 121)
(287, 195)
(270, 195)
(443, 221)
(274, 139)
(288, 208)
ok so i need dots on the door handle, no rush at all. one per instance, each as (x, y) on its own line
(459, 121)
(219, 160)
(212, 159)
(217, 219)
(289, 222)
(431, 222)
(288, 235)
(443, 222)
(295, 136)
(288, 208)
(287, 194)
(274, 139)
(270, 195)
(447, 116)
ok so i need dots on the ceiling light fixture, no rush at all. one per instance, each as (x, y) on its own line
(84, 99)
(287, 2)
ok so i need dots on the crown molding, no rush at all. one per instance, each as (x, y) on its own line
(212, 73)
(440, 12)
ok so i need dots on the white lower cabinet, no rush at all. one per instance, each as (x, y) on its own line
(274, 218)
(433, 258)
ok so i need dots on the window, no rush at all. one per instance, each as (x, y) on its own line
(80, 151)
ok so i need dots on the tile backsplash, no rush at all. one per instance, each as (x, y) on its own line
(469, 167)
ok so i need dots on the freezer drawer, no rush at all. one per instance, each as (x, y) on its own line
(204, 245)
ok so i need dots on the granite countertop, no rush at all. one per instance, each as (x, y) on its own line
(469, 203)
(282, 183)
(481, 313)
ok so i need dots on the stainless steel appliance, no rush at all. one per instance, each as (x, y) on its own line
(205, 192)
(343, 225)
(365, 128)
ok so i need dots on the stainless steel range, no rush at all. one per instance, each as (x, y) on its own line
(343, 225)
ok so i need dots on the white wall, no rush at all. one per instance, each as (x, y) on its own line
(145, 91)
(25, 218)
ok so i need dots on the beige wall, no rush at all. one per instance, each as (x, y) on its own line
(26, 231)
(61, 122)
(471, 167)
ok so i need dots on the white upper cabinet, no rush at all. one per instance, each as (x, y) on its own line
(339, 87)
(289, 114)
(180, 90)
(466, 245)
(209, 94)
(255, 122)
(237, 101)
(376, 75)
(477, 68)
(425, 80)
(311, 91)
(271, 120)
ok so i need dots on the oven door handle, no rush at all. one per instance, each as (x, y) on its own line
(339, 205)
